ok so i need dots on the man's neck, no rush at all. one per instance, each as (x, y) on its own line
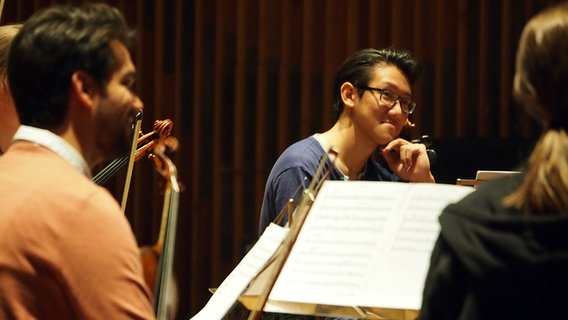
(351, 157)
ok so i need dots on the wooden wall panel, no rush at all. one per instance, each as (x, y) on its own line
(506, 59)
(483, 53)
(461, 67)
(242, 80)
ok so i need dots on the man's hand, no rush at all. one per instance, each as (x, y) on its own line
(409, 161)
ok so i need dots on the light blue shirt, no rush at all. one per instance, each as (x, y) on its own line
(56, 144)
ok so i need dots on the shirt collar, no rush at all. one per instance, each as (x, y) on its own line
(54, 143)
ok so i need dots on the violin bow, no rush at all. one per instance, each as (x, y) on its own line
(131, 158)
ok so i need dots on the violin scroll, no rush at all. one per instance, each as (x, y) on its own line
(162, 129)
(162, 163)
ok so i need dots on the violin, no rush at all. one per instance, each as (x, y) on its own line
(140, 147)
(144, 145)
(157, 260)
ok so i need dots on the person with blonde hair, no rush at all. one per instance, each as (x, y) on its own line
(9, 121)
(502, 252)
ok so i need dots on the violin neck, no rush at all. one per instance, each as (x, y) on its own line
(164, 277)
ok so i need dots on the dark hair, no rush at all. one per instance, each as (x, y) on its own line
(358, 70)
(53, 44)
(541, 82)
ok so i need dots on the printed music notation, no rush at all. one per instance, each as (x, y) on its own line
(365, 243)
(237, 281)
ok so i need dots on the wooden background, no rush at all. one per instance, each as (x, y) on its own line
(242, 80)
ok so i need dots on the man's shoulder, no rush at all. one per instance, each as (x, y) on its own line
(302, 156)
(307, 149)
(299, 159)
(38, 175)
(307, 144)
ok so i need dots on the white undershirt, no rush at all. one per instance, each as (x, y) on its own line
(324, 147)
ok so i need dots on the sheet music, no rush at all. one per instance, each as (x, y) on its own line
(366, 244)
(228, 292)
(489, 174)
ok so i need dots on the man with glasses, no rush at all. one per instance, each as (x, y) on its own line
(373, 99)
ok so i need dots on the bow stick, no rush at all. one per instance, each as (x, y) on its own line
(131, 158)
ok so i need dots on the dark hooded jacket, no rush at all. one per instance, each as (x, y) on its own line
(495, 263)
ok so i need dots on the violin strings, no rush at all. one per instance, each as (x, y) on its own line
(104, 175)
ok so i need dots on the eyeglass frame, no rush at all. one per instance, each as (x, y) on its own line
(407, 104)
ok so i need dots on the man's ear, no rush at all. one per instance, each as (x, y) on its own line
(348, 94)
(84, 87)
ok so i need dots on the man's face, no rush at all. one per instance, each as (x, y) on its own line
(379, 121)
(114, 115)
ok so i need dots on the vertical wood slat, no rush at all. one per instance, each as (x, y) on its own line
(219, 184)
(528, 10)
(334, 45)
(182, 250)
(200, 224)
(417, 16)
(307, 67)
(398, 32)
(483, 74)
(439, 69)
(380, 23)
(284, 115)
(462, 63)
(143, 175)
(197, 224)
(179, 59)
(374, 11)
(158, 41)
(329, 64)
(353, 30)
(171, 65)
(260, 149)
(239, 126)
(505, 72)
(138, 60)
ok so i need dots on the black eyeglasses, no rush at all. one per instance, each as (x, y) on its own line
(390, 98)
